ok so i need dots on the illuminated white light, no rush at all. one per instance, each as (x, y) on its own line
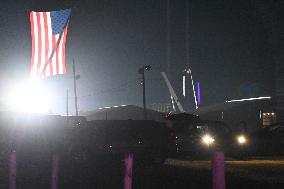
(242, 139)
(207, 139)
(183, 86)
(249, 99)
(272, 113)
(268, 113)
(30, 98)
(110, 146)
(123, 105)
(264, 113)
(107, 107)
(115, 106)
(192, 83)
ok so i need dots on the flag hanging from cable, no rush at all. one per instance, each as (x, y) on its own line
(48, 31)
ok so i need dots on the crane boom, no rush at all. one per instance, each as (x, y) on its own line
(172, 92)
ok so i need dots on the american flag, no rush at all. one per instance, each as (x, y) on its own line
(49, 31)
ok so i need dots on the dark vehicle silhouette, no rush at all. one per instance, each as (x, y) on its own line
(222, 134)
(188, 130)
(149, 141)
(198, 138)
(267, 141)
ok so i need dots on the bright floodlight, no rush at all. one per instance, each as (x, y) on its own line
(242, 139)
(207, 139)
(31, 98)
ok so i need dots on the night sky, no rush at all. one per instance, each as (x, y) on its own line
(109, 40)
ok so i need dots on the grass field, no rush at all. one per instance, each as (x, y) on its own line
(181, 174)
(266, 171)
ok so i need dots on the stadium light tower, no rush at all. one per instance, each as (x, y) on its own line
(142, 72)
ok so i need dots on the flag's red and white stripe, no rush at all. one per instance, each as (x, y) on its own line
(43, 42)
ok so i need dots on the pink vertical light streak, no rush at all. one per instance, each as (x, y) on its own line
(218, 170)
(128, 171)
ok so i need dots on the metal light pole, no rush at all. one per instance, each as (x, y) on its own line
(188, 71)
(75, 77)
(142, 72)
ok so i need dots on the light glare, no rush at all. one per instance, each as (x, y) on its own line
(242, 139)
(207, 139)
(30, 98)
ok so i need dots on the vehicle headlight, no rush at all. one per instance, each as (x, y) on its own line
(207, 139)
(242, 139)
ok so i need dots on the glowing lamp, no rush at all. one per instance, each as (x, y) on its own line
(207, 139)
(241, 139)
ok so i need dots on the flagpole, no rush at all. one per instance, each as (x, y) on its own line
(47, 62)
(75, 87)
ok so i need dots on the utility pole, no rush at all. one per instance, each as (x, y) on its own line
(144, 95)
(75, 77)
(67, 103)
(142, 72)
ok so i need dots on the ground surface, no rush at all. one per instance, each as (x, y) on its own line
(191, 174)
(239, 174)
(173, 174)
